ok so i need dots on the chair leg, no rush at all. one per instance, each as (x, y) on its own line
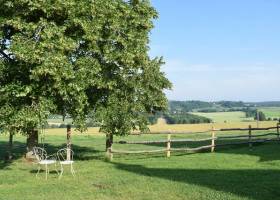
(47, 171)
(61, 171)
(56, 168)
(39, 168)
(72, 170)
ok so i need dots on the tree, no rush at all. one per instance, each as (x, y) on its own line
(78, 57)
(260, 116)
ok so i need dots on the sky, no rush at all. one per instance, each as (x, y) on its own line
(219, 49)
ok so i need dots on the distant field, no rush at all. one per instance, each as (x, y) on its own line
(272, 112)
(60, 121)
(225, 116)
(176, 127)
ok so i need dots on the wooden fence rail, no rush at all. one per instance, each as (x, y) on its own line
(164, 141)
(206, 131)
(251, 139)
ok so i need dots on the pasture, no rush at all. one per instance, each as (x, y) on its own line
(225, 116)
(229, 173)
(272, 112)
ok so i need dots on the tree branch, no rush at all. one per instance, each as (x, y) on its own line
(5, 55)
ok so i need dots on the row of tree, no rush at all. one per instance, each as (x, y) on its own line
(187, 106)
(185, 118)
(256, 114)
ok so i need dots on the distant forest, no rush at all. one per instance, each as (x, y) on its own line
(179, 111)
(218, 106)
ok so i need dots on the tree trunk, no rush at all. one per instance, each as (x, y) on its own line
(32, 141)
(10, 147)
(68, 142)
(109, 143)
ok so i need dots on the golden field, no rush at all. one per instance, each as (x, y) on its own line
(178, 127)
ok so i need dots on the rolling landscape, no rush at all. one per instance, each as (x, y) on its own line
(139, 100)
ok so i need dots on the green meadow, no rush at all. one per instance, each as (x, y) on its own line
(230, 173)
(272, 112)
(225, 116)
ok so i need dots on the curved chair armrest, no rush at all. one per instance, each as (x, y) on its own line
(52, 157)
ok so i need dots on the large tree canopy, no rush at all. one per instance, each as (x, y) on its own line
(78, 57)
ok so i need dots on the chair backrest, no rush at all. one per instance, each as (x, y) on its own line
(62, 154)
(40, 154)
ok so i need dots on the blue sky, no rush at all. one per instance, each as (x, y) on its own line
(219, 49)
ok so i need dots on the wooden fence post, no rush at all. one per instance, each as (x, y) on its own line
(109, 144)
(168, 145)
(213, 140)
(250, 137)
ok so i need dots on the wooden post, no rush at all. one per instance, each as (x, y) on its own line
(68, 137)
(168, 145)
(109, 145)
(213, 140)
(250, 137)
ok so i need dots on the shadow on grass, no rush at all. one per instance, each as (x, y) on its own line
(254, 184)
(42, 171)
(268, 151)
(19, 149)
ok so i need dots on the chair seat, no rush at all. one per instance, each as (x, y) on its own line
(47, 162)
(66, 162)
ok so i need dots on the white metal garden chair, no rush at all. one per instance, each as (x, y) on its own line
(42, 158)
(63, 160)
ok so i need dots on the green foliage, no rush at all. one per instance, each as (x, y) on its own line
(201, 106)
(187, 106)
(210, 110)
(153, 118)
(78, 57)
(250, 112)
(260, 116)
(185, 118)
(231, 104)
(266, 104)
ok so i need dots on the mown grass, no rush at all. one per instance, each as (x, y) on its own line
(229, 173)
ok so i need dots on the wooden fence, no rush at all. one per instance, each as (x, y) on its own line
(251, 139)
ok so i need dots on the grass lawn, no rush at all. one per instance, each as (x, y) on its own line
(229, 173)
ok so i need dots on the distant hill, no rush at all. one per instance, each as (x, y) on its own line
(187, 106)
(216, 106)
(192, 112)
(265, 104)
(203, 106)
